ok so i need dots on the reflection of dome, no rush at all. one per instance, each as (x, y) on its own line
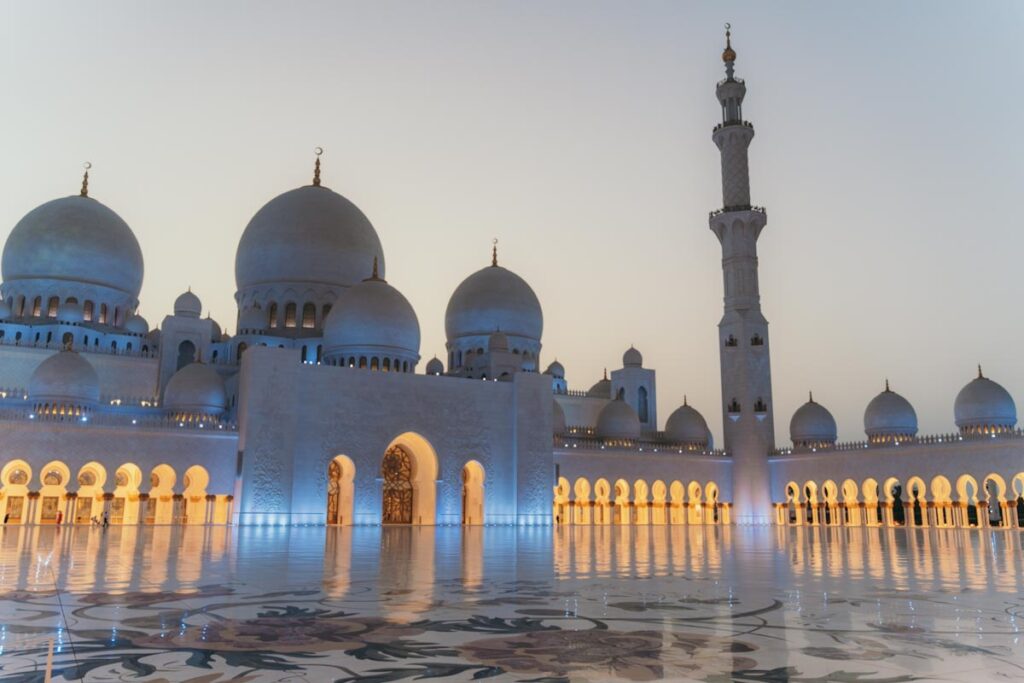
(687, 426)
(494, 298)
(602, 388)
(556, 370)
(559, 419)
(137, 324)
(372, 320)
(252, 319)
(890, 417)
(435, 366)
(310, 234)
(618, 420)
(74, 239)
(70, 312)
(65, 379)
(196, 389)
(632, 358)
(984, 407)
(188, 305)
(812, 426)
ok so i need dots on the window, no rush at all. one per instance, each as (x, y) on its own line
(756, 340)
(362, 361)
(319, 353)
(240, 351)
(289, 315)
(387, 365)
(103, 314)
(273, 315)
(117, 316)
(67, 340)
(186, 353)
(327, 311)
(374, 364)
(87, 311)
(309, 316)
(51, 306)
(37, 307)
(734, 406)
(620, 394)
(642, 404)
(731, 341)
(760, 406)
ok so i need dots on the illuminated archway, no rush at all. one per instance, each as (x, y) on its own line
(916, 502)
(893, 510)
(1018, 498)
(678, 493)
(124, 508)
(641, 502)
(967, 501)
(994, 487)
(194, 502)
(622, 515)
(561, 502)
(54, 477)
(942, 502)
(695, 496)
(341, 476)
(851, 506)
(872, 502)
(473, 476)
(830, 503)
(160, 503)
(602, 502)
(14, 479)
(810, 491)
(89, 503)
(581, 501)
(658, 493)
(794, 517)
(409, 469)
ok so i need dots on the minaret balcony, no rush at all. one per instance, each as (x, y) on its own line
(745, 207)
(727, 124)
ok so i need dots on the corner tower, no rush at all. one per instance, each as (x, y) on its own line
(743, 331)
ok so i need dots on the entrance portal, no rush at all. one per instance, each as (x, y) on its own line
(397, 472)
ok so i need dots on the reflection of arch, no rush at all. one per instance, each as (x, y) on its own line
(422, 461)
(641, 503)
(91, 478)
(54, 476)
(341, 474)
(581, 501)
(124, 508)
(602, 504)
(473, 493)
(621, 501)
(194, 501)
(160, 503)
(14, 479)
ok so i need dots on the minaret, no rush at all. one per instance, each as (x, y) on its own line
(743, 331)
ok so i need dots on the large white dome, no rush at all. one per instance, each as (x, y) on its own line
(983, 406)
(372, 319)
(618, 420)
(65, 378)
(196, 389)
(890, 416)
(307, 235)
(494, 298)
(74, 239)
(812, 426)
(687, 426)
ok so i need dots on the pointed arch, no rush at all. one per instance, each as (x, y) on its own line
(89, 503)
(581, 501)
(473, 477)
(124, 508)
(14, 482)
(194, 507)
(341, 475)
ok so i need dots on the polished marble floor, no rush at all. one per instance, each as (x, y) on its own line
(533, 604)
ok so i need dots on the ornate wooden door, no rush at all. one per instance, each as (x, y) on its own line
(397, 472)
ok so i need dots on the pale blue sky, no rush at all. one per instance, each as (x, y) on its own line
(887, 153)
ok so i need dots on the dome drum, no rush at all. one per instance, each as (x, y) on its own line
(47, 299)
(288, 309)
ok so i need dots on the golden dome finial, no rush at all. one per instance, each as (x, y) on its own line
(85, 180)
(494, 252)
(374, 276)
(316, 167)
(728, 55)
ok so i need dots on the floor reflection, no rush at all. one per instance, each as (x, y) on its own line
(690, 602)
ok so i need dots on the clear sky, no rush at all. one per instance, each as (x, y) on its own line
(888, 154)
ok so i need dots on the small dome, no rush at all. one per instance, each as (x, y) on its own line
(497, 341)
(556, 370)
(215, 331)
(5, 310)
(196, 389)
(252, 319)
(65, 378)
(494, 298)
(372, 319)
(618, 420)
(435, 366)
(137, 324)
(812, 426)
(74, 239)
(188, 305)
(687, 426)
(558, 419)
(70, 312)
(632, 358)
(308, 235)
(601, 389)
(984, 407)
(889, 417)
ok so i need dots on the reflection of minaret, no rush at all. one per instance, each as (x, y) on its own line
(743, 331)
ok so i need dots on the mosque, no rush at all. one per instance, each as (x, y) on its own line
(316, 410)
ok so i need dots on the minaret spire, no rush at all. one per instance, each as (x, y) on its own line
(494, 252)
(85, 180)
(316, 167)
(747, 407)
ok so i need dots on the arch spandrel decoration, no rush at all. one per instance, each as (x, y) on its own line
(396, 470)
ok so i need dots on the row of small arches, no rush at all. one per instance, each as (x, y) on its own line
(38, 307)
(288, 316)
(638, 503)
(914, 503)
(68, 341)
